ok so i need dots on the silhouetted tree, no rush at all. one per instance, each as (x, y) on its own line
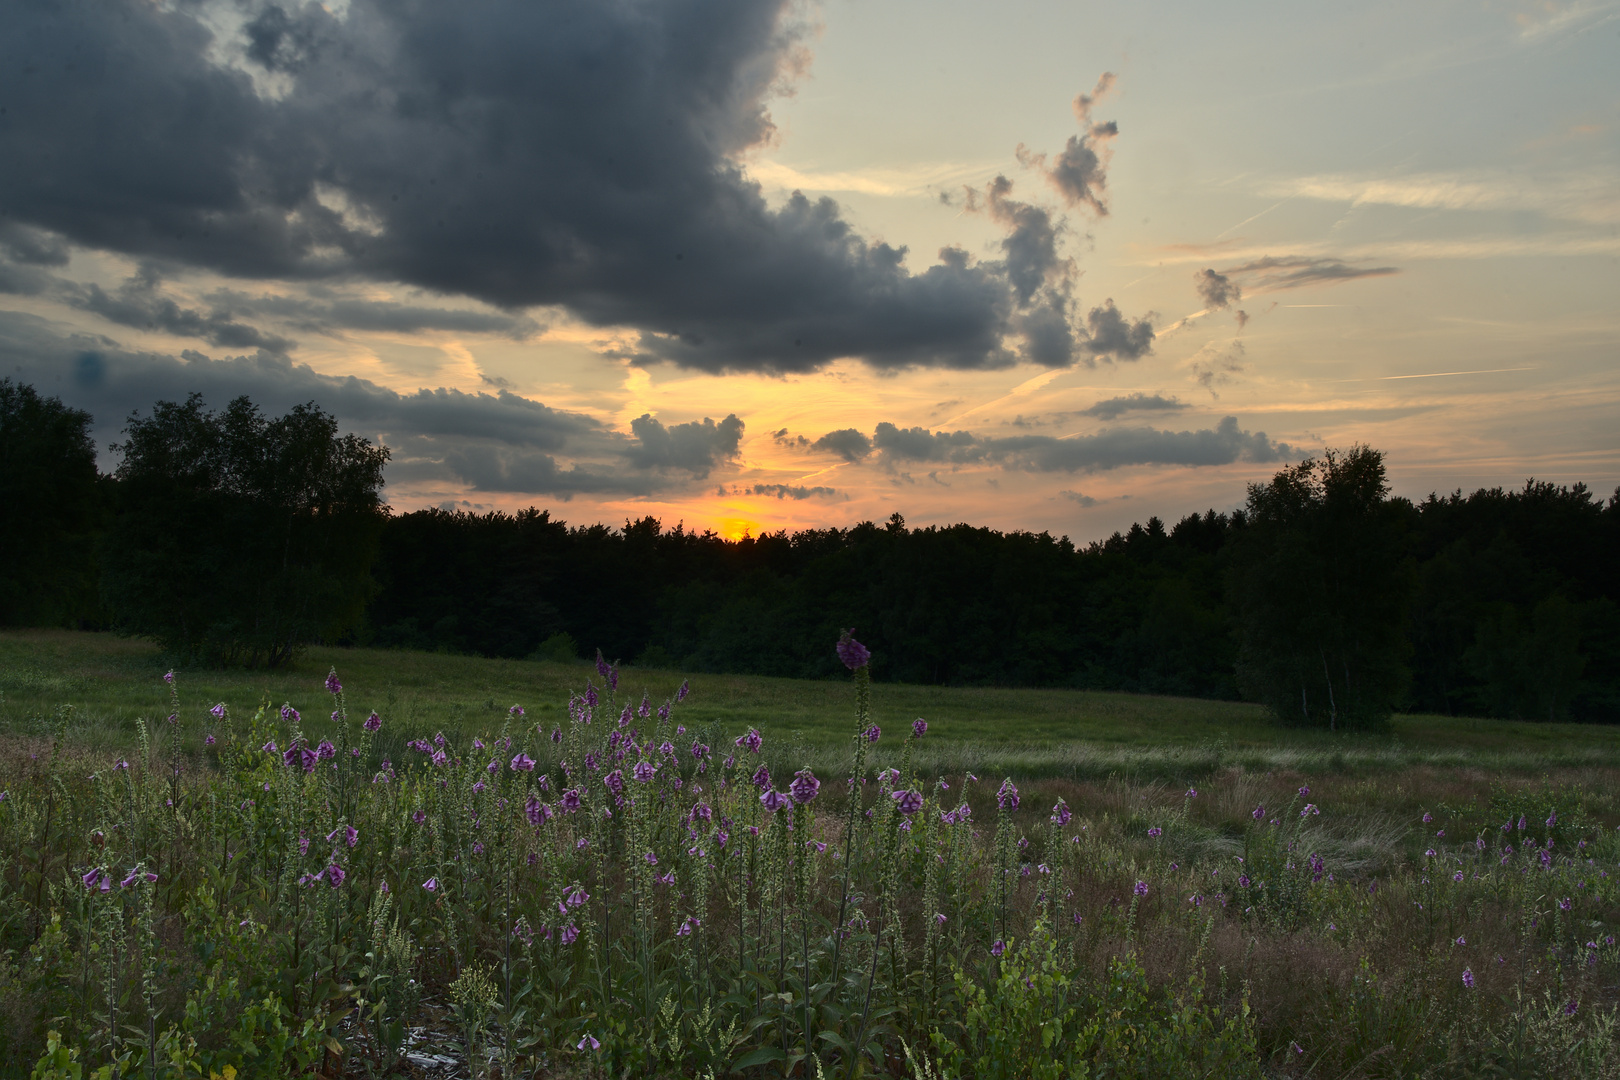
(50, 509)
(240, 538)
(1319, 587)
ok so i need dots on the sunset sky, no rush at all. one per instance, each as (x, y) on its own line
(754, 265)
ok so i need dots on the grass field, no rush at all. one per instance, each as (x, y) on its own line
(110, 681)
(1347, 890)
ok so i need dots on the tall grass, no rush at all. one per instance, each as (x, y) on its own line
(602, 889)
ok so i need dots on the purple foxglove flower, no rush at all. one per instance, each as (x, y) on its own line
(1259, 812)
(721, 838)
(1304, 791)
(701, 812)
(532, 808)
(1243, 880)
(431, 884)
(652, 860)
(478, 787)
(588, 1040)
(208, 740)
(1155, 832)
(644, 710)
(699, 750)
(1061, 813)
(614, 781)
(762, 777)
(308, 758)
(493, 767)
(439, 758)
(570, 800)
(752, 741)
(1310, 808)
(773, 800)
(644, 771)
(90, 879)
(591, 696)
(303, 845)
(1007, 797)
(218, 711)
(680, 695)
(964, 812)
(577, 896)
(663, 711)
(151, 877)
(909, 802)
(1141, 888)
(332, 684)
(667, 748)
(998, 948)
(335, 875)
(522, 763)
(625, 717)
(872, 734)
(854, 655)
(919, 727)
(289, 715)
(570, 932)
(1468, 978)
(418, 817)
(169, 677)
(804, 786)
(1569, 1010)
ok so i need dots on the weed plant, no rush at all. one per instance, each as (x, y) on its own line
(611, 893)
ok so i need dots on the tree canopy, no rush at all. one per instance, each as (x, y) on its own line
(239, 538)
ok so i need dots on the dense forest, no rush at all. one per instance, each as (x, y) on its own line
(1324, 596)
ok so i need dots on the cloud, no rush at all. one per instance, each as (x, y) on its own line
(489, 442)
(1079, 172)
(847, 443)
(1076, 497)
(1110, 449)
(1217, 364)
(332, 315)
(586, 156)
(793, 442)
(697, 447)
(789, 491)
(1113, 408)
(1216, 290)
(1271, 274)
(139, 303)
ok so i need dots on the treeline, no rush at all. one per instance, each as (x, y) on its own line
(231, 537)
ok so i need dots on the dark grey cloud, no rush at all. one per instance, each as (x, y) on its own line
(1113, 408)
(1291, 272)
(1042, 281)
(1077, 498)
(920, 444)
(696, 447)
(1216, 290)
(791, 491)
(792, 442)
(1110, 449)
(324, 313)
(140, 303)
(847, 443)
(1079, 171)
(490, 442)
(520, 152)
(1113, 335)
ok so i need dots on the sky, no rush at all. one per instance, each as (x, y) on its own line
(755, 264)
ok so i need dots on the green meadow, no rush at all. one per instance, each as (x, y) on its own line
(110, 681)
